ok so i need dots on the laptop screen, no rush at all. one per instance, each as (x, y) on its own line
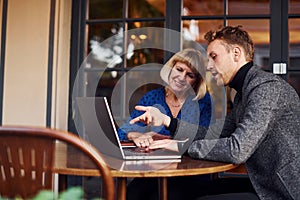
(99, 129)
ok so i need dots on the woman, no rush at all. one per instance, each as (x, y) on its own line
(184, 97)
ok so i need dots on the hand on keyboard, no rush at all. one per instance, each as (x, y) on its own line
(142, 150)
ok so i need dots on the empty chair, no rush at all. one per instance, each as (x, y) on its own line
(27, 160)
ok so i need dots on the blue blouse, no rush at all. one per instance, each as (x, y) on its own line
(196, 112)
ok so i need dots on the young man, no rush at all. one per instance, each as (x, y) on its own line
(263, 128)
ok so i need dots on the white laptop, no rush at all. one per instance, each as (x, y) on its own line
(100, 130)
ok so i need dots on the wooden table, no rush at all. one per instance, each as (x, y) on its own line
(71, 162)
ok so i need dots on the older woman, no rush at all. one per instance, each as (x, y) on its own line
(184, 97)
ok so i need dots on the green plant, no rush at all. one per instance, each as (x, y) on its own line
(73, 193)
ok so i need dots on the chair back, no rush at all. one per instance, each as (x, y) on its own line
(27, 160)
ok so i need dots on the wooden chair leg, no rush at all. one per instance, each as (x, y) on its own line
(121, 182)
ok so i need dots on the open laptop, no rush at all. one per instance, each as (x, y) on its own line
(100, 130)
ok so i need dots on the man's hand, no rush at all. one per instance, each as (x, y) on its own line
(152, 116)
(164, 144)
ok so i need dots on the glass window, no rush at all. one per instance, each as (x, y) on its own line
(234, 7)
(294, 48)
(259, 30)
(146, 8)
(105, 9)
(203, 7)
(139, 39)
(195, 29)
(133, 67)
(294, 30)
(294, 45)
(294, 7)
(248, 7)
(117, 58)
(97, 33)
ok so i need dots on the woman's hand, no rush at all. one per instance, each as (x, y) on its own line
(152, 116)
(141, 139)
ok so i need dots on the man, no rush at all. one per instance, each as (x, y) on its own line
(263, 128)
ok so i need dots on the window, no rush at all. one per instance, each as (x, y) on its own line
(127, 64)
(294, 44)
(109, 70)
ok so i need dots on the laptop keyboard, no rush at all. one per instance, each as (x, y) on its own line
(136, 151)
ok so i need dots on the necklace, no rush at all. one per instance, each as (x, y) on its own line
(171, 103)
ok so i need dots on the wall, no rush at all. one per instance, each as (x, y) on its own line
(26, 63)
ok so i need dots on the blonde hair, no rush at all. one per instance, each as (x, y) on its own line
(195, 60)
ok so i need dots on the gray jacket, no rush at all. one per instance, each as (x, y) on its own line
(262, 131)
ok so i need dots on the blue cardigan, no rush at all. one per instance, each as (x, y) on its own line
(195, 112)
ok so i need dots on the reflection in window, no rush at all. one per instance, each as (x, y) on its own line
(248, 7)
(103, 50)
(294, 48)
(195, 29)
(113, 18)
(113, 9)
(294, 30)
(203, 7)
(146, 8)
(294, 6)
(233, 7)
(259, 32)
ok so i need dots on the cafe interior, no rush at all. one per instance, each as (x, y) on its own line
(54, 51)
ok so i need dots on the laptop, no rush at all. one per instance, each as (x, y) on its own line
(100, 130)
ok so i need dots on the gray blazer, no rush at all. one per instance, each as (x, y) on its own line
(262, 131)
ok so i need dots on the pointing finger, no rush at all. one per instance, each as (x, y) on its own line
(141, 108)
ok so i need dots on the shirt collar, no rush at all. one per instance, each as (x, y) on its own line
(238, 80)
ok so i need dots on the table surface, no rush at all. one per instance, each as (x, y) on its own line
(70, 161)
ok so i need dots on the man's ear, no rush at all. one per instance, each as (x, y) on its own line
(237, 52)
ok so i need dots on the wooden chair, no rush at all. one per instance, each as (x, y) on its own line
(27, 159)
